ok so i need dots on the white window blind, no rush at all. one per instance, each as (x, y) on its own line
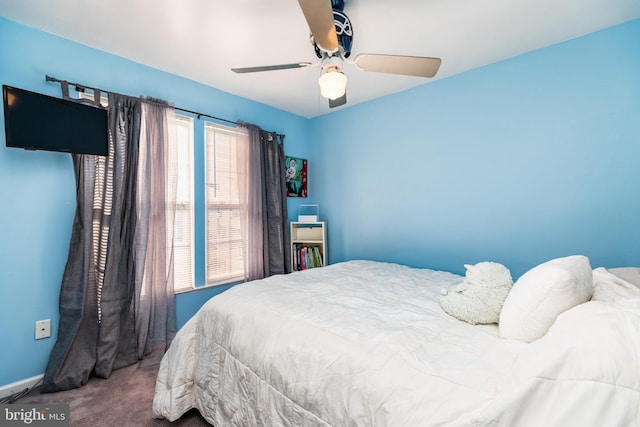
(181, 168)
(225, 261)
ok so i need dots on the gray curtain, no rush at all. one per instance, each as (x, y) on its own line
(265, 222)
(277, 256)
(155, 314)
(105, 323)
(96, 329)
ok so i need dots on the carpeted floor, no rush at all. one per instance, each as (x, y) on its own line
(123, 400)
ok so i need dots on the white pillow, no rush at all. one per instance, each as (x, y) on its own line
(542, 293)
(630, 274)
(615, 284)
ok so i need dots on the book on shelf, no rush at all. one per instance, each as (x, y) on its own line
(307, 256)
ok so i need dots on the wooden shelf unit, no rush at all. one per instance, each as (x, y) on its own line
(308, 245)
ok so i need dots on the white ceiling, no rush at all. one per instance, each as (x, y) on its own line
(203, 39)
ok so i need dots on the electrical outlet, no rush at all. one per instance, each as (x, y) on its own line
(43, 328)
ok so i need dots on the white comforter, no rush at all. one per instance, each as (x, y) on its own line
(364, 343)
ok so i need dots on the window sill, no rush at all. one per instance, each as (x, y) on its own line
(231, 282)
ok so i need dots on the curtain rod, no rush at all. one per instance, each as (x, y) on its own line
(81, 88)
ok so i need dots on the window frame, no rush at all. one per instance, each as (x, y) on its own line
(221, 279)
(191, 203)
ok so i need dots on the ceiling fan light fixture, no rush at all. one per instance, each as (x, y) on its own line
(333, 83)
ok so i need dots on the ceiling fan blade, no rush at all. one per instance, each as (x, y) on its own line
(319, 16)
(333, 103)
(271, 67)
(418, 66)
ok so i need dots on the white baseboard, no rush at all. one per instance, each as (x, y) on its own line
(9, 389)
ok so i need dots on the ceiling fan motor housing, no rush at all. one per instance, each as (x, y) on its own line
(344, 30)
(337, 4)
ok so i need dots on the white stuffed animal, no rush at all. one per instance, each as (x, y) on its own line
(478, 299)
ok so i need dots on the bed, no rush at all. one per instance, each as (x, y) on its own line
(365, 343)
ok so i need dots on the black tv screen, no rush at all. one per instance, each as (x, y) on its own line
(34, 121)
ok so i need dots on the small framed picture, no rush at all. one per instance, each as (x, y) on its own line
(296, 176)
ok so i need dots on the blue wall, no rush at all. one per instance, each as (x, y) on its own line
(37, 189)
(517, 162)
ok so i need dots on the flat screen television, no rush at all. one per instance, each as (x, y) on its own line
(34, 121)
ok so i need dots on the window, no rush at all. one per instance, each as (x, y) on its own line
(181, 168)
(225, 260)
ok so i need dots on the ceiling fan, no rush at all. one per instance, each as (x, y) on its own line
(332, 35)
